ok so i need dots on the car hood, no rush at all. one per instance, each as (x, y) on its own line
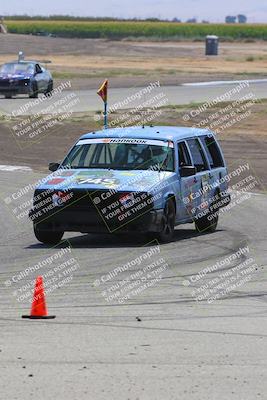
(14, 76)
(99, 179)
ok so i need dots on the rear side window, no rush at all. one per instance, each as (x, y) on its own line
(38, 68)
(213, 152)
(184, 157)
(198, 155)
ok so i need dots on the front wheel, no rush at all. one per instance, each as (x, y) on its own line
(34, 91)
(167, 223)
(48, 237)
(8, 96)
(49, 90)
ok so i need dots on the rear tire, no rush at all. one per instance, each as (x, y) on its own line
(209, 222)
(48, 237)
(168, 223)
(8, 96)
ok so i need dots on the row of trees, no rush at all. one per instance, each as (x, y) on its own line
(240, 18)
(229, 19)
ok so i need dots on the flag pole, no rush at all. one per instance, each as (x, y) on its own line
(105, 115)
(103, 93)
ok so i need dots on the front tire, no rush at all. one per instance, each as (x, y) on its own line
(34, 91)
(47, 93)
(48, 237)
(167, 223)
(8, 96)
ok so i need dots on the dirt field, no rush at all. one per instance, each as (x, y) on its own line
(87, 61)
(132, 63)
(243, 142)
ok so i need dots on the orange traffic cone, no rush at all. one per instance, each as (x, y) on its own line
(38, 310)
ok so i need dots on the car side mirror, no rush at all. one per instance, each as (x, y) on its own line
(187, 170)
(53, 166)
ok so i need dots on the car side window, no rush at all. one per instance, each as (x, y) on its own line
(38, 68)
(183, 155)
(198, 155)
(78, 154)
(213, 151)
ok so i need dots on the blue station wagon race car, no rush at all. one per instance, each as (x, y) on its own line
(25, 77)
(138, 179)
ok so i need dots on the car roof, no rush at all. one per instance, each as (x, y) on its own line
(149, 132)
(22, 62)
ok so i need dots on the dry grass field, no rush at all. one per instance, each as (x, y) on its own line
(131, 63)
(243, 142)
(134, 63)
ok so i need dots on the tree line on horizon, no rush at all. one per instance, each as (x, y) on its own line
(56, 17)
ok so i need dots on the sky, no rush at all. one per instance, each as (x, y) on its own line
(213, 10)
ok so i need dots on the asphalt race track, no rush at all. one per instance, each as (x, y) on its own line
(174, 95)
(161, 344)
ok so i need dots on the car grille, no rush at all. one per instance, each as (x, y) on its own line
(4, 83)
(81, 207)
(23, 82)
(7, 82)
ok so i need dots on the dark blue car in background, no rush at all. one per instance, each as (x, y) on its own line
(24, 77)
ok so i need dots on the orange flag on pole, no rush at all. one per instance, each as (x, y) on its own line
(103, 91)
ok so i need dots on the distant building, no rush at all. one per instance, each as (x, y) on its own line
(242, 19)
(230, 19)
(192, 21)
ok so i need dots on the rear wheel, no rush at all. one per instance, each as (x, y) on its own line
(8, 96)
(167, 223)
(209, 222)
(47, 237)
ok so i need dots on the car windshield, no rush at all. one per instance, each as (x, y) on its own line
(121, 154)
(17, 68)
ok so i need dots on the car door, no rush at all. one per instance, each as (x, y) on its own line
(216, 161)
(46, 77)
(40, 78)
(203, 182)
(188, 186)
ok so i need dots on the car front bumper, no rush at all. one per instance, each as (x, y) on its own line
(15, 88)
(91, 222)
